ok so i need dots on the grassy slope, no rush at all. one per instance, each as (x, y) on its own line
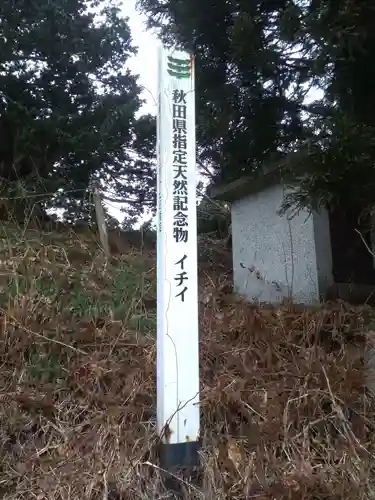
(283, 406)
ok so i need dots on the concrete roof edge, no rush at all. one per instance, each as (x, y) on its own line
(245, 186)
(225, 192)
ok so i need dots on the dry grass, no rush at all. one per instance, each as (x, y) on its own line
(284, 410)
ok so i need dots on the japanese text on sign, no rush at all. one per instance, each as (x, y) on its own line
(180, 188)
(180, 278)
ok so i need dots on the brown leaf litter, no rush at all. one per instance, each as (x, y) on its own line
(285, 411)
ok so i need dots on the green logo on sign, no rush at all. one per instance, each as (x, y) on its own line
(179, 68)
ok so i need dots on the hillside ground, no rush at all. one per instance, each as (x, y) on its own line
(285, 412)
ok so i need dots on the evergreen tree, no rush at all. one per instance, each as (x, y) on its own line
(250, 78)
(68, 105)
(256, 63)
(337, 164)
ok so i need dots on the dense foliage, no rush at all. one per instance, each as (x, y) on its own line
(339, 160)
(68, 105)
(69, 108)
(250, 78)
(259, 66)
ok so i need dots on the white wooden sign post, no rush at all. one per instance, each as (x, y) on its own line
(177, 284)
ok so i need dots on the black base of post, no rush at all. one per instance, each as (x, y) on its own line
(178, 455)
(180, 461)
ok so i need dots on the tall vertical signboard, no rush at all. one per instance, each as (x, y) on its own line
(177, 284)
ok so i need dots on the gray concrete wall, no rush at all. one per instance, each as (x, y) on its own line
(275, 257)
